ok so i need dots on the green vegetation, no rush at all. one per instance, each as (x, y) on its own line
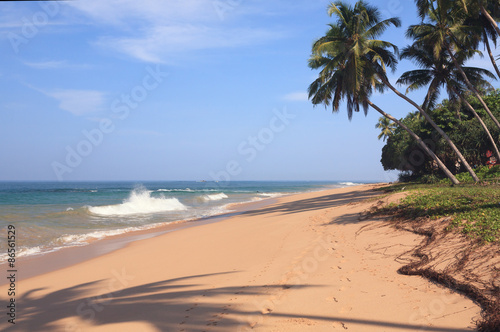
(437, 144)
(404, 154)
(436, 141)
(471, 209)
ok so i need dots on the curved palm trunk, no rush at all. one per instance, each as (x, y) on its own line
(492, 58)
(488, 16)
(470, 86)
(469, 106)
(435, 126)
(420, 142)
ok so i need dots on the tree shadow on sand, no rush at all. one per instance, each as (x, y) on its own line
(165, 305)
(316, 203)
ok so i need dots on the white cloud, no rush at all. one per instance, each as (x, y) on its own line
(55, 65)
(79, 102)
(296, 96)
(124, 12)
(160, 31)
(162, 43)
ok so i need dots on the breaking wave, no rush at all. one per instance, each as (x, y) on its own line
(140, 201)
(214, 197)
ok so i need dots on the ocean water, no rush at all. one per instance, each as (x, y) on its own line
(49, 216)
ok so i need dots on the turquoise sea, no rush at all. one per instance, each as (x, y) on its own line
(49, 216)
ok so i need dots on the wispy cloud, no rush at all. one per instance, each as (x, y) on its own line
(127, 12)
(163, 43)
(79, 102)
(159, 31)
(56, 65)
(296, 96)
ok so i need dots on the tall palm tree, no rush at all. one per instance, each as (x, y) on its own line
(387, 128)
(351, 61)
(383, 78)
(438, 73)
(487, 35)
(490, 9)
(446, 32)
(481, 23)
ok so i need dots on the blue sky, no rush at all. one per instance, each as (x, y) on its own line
(178, 90)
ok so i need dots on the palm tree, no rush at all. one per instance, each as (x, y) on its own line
(489, 9)
(387, 127)
(446, 31)
(440, 73)
(481, 23)
(487, 34)
(351, 61)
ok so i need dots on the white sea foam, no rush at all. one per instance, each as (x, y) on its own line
(214, 197)
(349, 183)
(272, 195)
(140, 201)
(22, 253)
(72, 240)
(78, 239)
(189, 190)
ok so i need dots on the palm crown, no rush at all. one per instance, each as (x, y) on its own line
(350, 58)
(438, 72)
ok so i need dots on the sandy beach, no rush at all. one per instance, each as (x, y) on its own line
(306, 262)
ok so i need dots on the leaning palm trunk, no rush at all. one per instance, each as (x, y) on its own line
(420, 142)
(469, 106)
(490, 54)
(491, 19)
(470, 86)
(435, 126)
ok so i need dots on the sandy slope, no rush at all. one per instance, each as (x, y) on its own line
(306, 263)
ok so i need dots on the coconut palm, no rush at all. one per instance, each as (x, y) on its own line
(487, 35)
(383, 78)
(387, 128)
(351, 61)
(489, 9)
(439, 73)
(446, 32)
(480, 22)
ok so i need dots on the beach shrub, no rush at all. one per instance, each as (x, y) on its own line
(471, 209)
(403, 154)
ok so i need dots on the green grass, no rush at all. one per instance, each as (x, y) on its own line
(484, 173)
(473, 210)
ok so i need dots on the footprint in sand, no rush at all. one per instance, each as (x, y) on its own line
(344, 310)
(340, 325)
(332, 299)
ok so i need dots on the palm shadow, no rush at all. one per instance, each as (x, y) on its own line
(316, 203)
(165, 305)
